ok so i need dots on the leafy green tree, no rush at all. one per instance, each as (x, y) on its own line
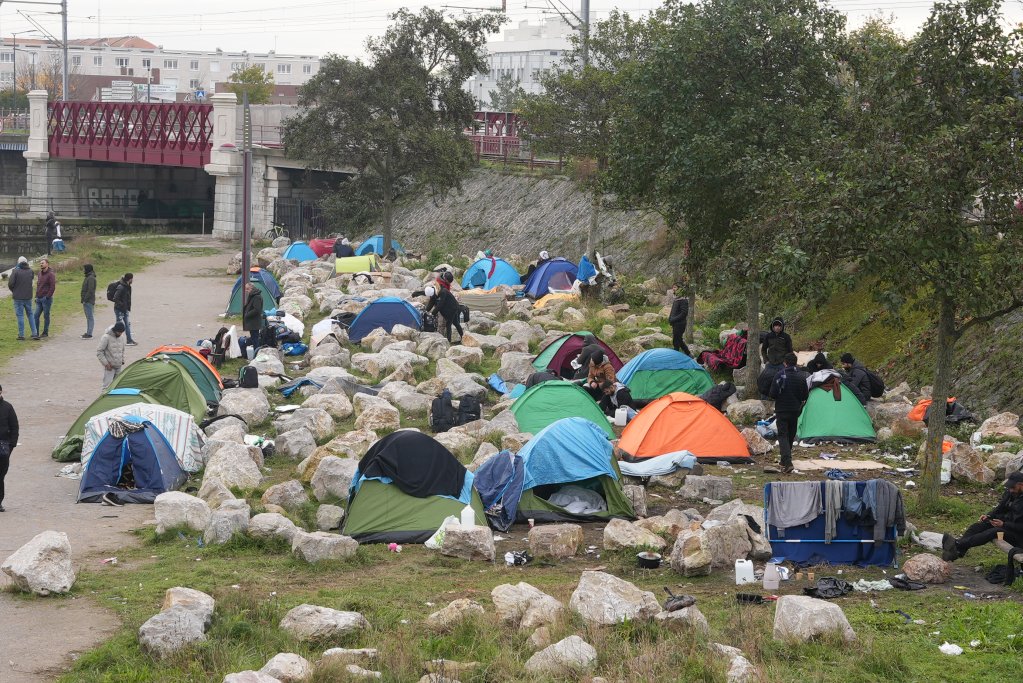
(255, 81)
(397, 119)
(509, 94)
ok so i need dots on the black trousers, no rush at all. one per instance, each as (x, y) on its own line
(447, 327)
(981, 533)
(678, 341)
(786, 426)
(5, 463)
(623, 397)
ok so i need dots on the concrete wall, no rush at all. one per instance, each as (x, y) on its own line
(13, 169)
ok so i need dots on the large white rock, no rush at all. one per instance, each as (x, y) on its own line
(685, 618)
(329, 517)
(800, 618)
(447, 618)
(232, 517)
(555, 541)
(250, 676)
(288, 495)
(43, 565)
(379, 416)
(288, 667)
(269, 526)
(482, 341)
(620, 534)
(333, 478)
(233, 466)
(573, 655)
(175, 509)
(318, 421)
(1002, 425)
(267, 364)
(525, 607)
(250, 405)
(464, 355)
(603, 599)
(214, 493)
(312, 622)
(170, 631)
(197, 602)
(296, 444)
(469, 543)
(338, 406)
(226, 423)
(747, 411)
(516, 367)
(699, 487)
(321, 545)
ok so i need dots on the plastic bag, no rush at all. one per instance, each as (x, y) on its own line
(436, 542)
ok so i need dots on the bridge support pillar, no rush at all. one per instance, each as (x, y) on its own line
(50, 183)
(226, 167)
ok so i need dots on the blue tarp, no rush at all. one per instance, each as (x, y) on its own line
(477, 276)
(499, 483)
(657, 359)
(571, 449)
(384, 313)
(294, 385)
(536, 285)
(301, 252)
(375, 245)
(585, 270)
(260, 275)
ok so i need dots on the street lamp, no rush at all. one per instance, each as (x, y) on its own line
(14, 65)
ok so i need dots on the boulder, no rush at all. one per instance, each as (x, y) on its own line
(449, 617)
(745, 412)
(318, 421)
(355, 671)
(288, 667)
(341, 359)
(250, 676)
(333, 478)
(232, 517)
(708, 486)
(555, 541)
(740, 669)
(214, 493)
(250, 405)
(176, 509)
(321, 545)
(690, 556)
(969, 465)
(516, 367)
(342, 655)
(456, 442)
(573, 655)
(338, 406)
(402, 373)
(688, 618)
(800, 618)
(602, 599)
(484, 453)
(405, 333)
(269, 526)
(620, 534)
(1002, 425)
(43, 565)
(296, 444)
(540, 638)
(289, 495)
(353, 444)
(514, 442)
(267, 364)
(433, 346)
(887, 414)
(927, 569)
(313, 623)
(911, 429)
(1003, 463)
(756, 444)
(409, 402)
(469, 543)
(329, 517)
(637, 496)
(525, 607)
(464, 355)
(382, 416)
(197, 602)
(725, 543)
(671, 523)
(226, 423)
(170, 631)
(670, 481)
(234, 431)
(234, 467)
(482, 341)
(512, 346)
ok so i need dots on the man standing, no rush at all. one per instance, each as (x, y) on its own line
(775, 344)
(856, 375)
(8, 440)
(51, 232)
(343, 248)
(89, 299)
(122, 305)
(678, 319)
(45, 288)
(111, 352)
(20, 283)
(1005, 518)
(789, 392)
(252, 316)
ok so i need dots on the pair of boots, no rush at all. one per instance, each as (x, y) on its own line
(949, 548)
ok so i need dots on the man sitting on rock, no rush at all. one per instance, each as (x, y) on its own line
(1005, 518)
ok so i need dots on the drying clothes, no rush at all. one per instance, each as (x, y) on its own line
(832, 507)
(794, 503)
(659, 465)
(888, 509)
(578, 500)
(853, 509)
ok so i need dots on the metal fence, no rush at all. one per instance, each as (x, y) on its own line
(302, 218)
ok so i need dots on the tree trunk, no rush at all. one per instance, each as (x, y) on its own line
(591, 234)
(930, 478)
(387, 218)
(691, 318)
(753, 341)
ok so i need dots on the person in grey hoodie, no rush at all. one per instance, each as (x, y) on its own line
(89, 299)
(21, 283)
(111, 352)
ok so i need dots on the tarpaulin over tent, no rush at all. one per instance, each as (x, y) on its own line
(499, 483)
(658, 372)
(537, 284)
(557, 357)
(488, 273)
(548, 402)
(115, 398)
(356, 264)
(167, 382)
(384, 313)
(134, 467)
(299, 251)
(841, 419)
(682, 422)
(177, 427)
(322, 246)
(375, 245)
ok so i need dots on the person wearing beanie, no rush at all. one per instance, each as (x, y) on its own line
(1005, 518)
(789, 392)
(8, 440)
(89, 299)
(21, 283)
(775, 344)
(855, 375)
(111, 352)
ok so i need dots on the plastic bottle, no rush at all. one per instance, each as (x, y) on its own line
(772, 579)
(743, 572)
(621, 416)
(468, 517)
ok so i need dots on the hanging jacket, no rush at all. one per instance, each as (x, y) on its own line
(776, 344)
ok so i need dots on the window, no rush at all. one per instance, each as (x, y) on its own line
(6, 77)
(193, 84)
(554, 53)
(122, 61)
(307, 68)
(170, 63)
(214, 67)
(97, 61)
(76, 60)
(147, 63)
(284, 68)
(260, 65)
(193, 65)
(6, 57)
(237, 66)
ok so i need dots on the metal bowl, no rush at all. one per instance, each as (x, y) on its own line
(648, 560)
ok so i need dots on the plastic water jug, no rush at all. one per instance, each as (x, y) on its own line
(772, 579)
(946, 470)
(468, 516)
(621, 416)
(250, 352)
(744, 572)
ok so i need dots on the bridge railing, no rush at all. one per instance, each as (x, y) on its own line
(129, 132)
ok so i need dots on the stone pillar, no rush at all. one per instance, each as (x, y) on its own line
(226, 166)
(50, 183)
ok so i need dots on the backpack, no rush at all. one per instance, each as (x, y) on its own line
(429, 322)
(442, 414)
(248, 377)
(465, 313)
(469, 409)
(876, 384)
(112, 289)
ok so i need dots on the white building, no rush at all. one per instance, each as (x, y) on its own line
(523, 53)
(186, 71)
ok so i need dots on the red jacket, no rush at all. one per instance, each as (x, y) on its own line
(47, 283)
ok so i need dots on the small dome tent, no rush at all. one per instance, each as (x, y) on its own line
(384, 313)
(133, 463)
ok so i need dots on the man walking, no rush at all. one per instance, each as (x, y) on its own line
(21, 284)
(89, 299)
(111, 352)
(679, 318)
(789, 392)
(8, 440)
(46, 286)
(122, 305)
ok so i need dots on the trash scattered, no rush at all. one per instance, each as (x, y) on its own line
(974, 643)
(109, 560)
(394, 547)
(517, 558)
(677, 602)
(950, 649)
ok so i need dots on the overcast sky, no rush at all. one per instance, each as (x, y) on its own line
(320, 26)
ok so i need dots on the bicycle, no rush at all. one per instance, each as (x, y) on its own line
(276, 230)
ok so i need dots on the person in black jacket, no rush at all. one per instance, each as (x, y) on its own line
(775, 344)
(1006, 517)
(818, 363)
(855, 376)
(678, 319)
(252, 316)
(343, 248)
(789, 392)
(445, 303)
(8, 440)
(51, 232)
(122, 306)
(89, 299)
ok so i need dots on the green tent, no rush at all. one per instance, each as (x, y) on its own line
(166, 381)
(557, 356)
(548, 402)
(825, 418)
(383, 513)
(234, 306)
(107, 401)
(659, 372)
(355, 264)
(200, 374)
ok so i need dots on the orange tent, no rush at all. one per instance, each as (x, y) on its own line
(683, 422)
(919, 411)
(177, 348)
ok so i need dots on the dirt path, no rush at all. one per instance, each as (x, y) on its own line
(49, 384)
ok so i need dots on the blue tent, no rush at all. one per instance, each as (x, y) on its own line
(536, 285)
(262, 276)
(499, 483)
(375, 245)
(384, 313)
(301, 252)
(133, 468)
(658, 372)
(477, 276)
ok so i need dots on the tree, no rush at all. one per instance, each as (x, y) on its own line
(732, 93)
(581, 106)
(48, 75)
(255, 81)
(398, 119)
(509, 94)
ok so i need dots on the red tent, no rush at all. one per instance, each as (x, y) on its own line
(322, 247)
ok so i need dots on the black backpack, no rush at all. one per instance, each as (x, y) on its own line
(442, 413)
(248, 378)
(469, 409)
(465, 313)
(112, 289)
(429, 322)
(876, 384)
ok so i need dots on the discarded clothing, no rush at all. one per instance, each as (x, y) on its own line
(658, 465)
(294, 385)
(578, 500)
(829, 587)
(837, 474)
(832, 508)
(864, 586)
(793, 503)
(905, 584)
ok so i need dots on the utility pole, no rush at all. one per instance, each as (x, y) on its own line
(246, 193)
(585, 30)
(63, 23)
(63, 27)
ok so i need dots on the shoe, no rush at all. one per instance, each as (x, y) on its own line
(949, 551)
(132, 343)
(86, 336)
(772, 469)
(36, 337)
(45, 334)
(21, 339)
(108, 499)
(2, 509)
(788, 469)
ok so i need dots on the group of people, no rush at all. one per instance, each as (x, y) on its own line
(21, 282)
